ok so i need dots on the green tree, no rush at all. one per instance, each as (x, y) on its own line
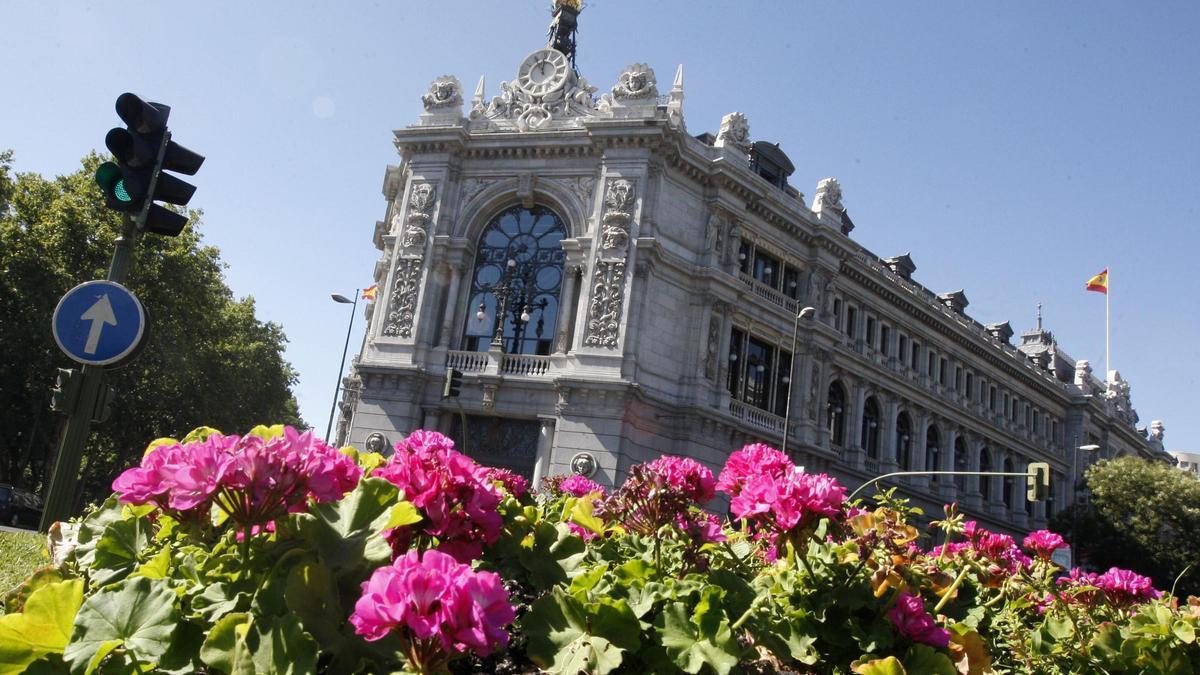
(208, 360)
(1143, 516)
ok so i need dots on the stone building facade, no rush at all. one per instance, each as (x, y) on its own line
(615, 287)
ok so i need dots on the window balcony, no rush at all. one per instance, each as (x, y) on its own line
(769, 294)
(756, 417)
(521, 365)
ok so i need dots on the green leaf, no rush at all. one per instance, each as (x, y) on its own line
(217, 600)
(312, 594)
(582, 513)
(159, 442)
(1060, 629)
(157, 567)
(198, 434)
(403, 514)
(282, 647)
(1185, 631)
(92, 528)
(926, 660)
(140, 612)
(553, 554)
(702, 638)
(225, 648)
(266, 432)
(561, 641)
(43, 628)
(346, 533)
(889, 666)
(102, 653)
(117, 550)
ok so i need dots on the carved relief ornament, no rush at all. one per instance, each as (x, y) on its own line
(402, 307)
(444, 92)
(618, 213)
(420, 213)
(635, 82)
(604, 312)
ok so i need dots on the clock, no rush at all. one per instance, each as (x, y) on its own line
(543, 71)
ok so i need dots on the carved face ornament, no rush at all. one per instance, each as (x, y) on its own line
(422, 196)
(620, 195)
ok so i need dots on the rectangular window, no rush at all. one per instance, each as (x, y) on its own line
(992, 399)
(791, 282)
(871, 332)
(970, 388)
(902, 350)
(766, 269)
(942, 371)
(783, 381)
(837, 314)
(885, 339)
(759, 366)
(736, 355)
(931, 363)
(851, 321)
(916, 355)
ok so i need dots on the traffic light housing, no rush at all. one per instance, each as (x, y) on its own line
(143, 151)
(452, 387)
(65, 393)
(1037, 482)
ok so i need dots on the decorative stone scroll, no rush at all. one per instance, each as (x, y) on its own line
(618, 213)
(402, 307)
(420, 212)
(608, 296)
(829, 195)
(444, 92)
(734, 133)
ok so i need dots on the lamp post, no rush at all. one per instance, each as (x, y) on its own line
(514, 285)
(339, 298)
(805, 313)
(1075, 495)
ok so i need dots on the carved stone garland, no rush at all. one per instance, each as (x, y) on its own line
(402, 306)
(608, 277)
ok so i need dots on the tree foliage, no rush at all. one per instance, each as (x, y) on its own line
(208, 358)
(1143, 516)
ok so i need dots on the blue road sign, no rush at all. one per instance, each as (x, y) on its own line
(99, 323)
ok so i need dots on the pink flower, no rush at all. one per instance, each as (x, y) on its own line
(455, 495)
(1123, 587)
(431, 597)
(686, 475)
(911, 621)
(515, 485)
(578, 486)
(581, 531)
(795, 500)
(702, 526)
(1043, 543)
(196, 475)
(752, 460)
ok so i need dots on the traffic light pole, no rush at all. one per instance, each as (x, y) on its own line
(61, 496)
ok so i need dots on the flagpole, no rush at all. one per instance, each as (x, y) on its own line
(1107, 329)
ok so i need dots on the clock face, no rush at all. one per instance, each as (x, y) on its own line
(543, 72)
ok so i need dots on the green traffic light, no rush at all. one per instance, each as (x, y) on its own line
(120, 193)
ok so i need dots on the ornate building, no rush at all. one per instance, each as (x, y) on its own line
(615, 287)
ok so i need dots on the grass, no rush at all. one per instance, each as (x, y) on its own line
(20, 554)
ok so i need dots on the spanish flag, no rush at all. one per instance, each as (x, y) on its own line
(1099, 283)
(369, 292)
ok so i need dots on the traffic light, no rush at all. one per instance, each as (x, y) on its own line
(1037, 482)
(143, 152)
(453, 384)
(66, 390)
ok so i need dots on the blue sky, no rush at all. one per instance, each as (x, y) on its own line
(1014, 148)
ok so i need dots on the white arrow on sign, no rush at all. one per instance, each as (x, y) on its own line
(99, 314)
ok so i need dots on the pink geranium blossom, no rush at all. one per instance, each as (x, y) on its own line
(253, 480)
(911, 620)
(456, 496)
(1043, 543)
(685, 474)
(1123, 587)
(438, 607)
(578, 486)
(752, 460)
(513, 484)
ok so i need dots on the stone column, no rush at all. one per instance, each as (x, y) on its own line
(973, 497)
(920, 436)
(947, 487)
(888, 437)
(1018, 515)
(996, 504)
(545, 446)
(566, 309)
(451, 305)
(854, 440)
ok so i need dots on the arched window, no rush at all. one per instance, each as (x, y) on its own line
(904, 441)
(933, 449)
(835, 410)
(960, 463)
(518, 272)
(870, 428)
(985, 482)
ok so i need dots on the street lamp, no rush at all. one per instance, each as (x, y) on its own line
(1075, 496)
(805, 313)
(339, 298)
(517, 284)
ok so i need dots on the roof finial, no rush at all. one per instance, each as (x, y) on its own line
(563, 26)
(1039, 317)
